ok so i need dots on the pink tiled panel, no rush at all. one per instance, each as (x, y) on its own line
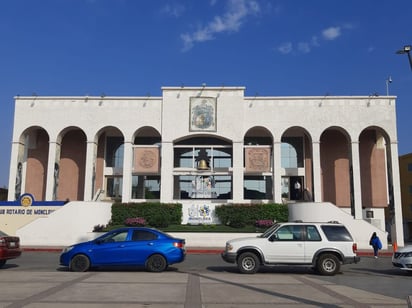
(334, 155)
(373, 171)
(72, 166)
(36, 169)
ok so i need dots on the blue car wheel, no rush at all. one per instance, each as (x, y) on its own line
(156, 263)
(79, 263)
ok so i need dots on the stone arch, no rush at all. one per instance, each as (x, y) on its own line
(335, 156)
(33, 160)
(202, 165)
(109, 162)
(147, 135)
(296, 145)
(258, 175)
(70, 165)
(202, 139)
(146, 175)
(258, 135)
(375, 171)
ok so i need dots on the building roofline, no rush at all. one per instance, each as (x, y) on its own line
(160, 97)
(86, 97)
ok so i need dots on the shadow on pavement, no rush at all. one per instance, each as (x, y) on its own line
(8, 265)
(267, 270)
(118, 269)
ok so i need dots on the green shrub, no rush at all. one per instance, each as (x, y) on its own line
(159, 220)
(161, 215)
(156, 214)
(240, 215)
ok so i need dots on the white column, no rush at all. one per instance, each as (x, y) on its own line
(277, 172)
(127, 172)
(397, 223)
(238, 174)
(166, 172)
(317, 183)
(90, 170)
(14, 160)
(357, 196)
(53, 150)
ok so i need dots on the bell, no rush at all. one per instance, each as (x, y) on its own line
(202, 165)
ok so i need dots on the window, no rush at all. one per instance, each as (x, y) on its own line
(145, 187)
(115, 237)
(312, 234)
(114, 152)
(141, 235)
(114, 159)
(410, 167)
(114, 187)
(257, 187)
(410, 189)
(289, 233)
(285, 187)
(202, 169)
(337, 233)
(189, 157)
(203, 187)
(292, 152)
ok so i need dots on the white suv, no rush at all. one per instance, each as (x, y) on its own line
(323, 246)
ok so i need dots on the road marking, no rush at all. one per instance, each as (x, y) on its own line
(193, 295)
(39, 296)
(321, 288)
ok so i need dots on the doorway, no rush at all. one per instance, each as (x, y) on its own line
(296, 188)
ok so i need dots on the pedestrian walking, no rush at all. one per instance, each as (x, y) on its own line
(298, 191)
(376, 244)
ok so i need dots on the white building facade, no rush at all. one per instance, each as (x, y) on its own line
(207, 146)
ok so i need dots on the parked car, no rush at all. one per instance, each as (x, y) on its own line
(151, 248)
(9, 247)
(322, 246)
(402, 258)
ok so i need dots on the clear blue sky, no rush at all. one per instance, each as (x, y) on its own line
(134, 47)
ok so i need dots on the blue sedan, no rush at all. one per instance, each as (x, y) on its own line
(147, 247)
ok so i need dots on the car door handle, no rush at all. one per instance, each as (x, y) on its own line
(150, 244)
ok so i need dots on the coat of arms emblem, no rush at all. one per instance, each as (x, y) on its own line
(203, 114)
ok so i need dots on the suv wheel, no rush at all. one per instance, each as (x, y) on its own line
(328, 264)
(248, 263)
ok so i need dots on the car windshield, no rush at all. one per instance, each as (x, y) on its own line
(3, 234)
(269, 231)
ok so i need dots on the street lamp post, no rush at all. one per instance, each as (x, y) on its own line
(406, 49)
(388, 81)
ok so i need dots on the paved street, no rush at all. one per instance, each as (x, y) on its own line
(36, 280)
